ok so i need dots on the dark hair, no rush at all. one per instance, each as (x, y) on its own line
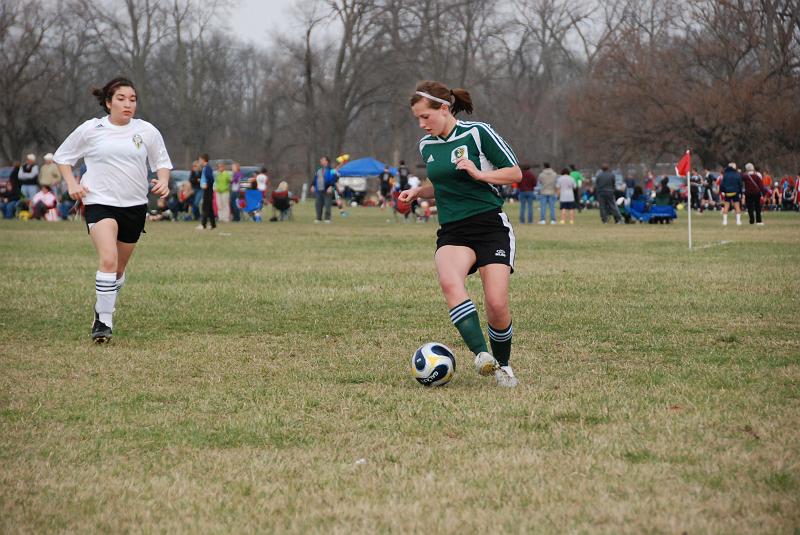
(604, 167)
(545, 165)
(460, 98)
(105, 94)
(402, 162)
(204, 156)
(572, 166)
(525, 166)
(565, 171)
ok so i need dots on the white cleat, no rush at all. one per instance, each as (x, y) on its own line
(504, 376)
(485, 364)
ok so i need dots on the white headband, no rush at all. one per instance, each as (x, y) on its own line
(435, 99)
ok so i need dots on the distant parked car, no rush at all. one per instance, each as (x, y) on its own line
(5, 175)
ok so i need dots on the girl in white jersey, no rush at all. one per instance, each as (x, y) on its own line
(114, 188)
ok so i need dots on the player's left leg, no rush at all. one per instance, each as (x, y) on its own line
(495, 278)
(124, 252)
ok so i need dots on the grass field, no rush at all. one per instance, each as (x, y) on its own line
(258, 382)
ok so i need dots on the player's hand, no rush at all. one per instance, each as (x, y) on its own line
(408, 196)
(160, 188)
(465, 164)
(77, 191)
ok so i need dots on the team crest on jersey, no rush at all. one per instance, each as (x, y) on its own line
(430, 159)
(458, 153)
(137, 140)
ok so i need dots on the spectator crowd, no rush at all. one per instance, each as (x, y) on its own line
(224, 190)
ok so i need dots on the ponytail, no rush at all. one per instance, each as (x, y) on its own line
(462, 101)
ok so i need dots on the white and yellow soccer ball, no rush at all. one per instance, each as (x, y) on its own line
(433, 364)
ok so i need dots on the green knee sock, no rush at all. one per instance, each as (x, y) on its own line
(501, 343)
(465, 318)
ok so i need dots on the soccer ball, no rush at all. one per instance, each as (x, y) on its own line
(433, 364)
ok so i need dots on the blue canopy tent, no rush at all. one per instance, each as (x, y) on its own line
(364, 167)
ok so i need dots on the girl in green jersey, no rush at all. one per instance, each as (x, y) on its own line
(467, 162)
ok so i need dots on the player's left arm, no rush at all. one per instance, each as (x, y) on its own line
(499, 153)
(500, 177)
(159, 161)
(161, 184)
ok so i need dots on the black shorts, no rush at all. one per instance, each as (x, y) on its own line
(130, 219)
(567, 205)
(488, 234)
(730, 196)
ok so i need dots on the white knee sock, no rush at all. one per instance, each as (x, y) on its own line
(120, 282)
(106, 289)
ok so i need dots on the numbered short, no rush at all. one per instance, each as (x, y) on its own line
(130, 219)
(730, 197)
(488, 234)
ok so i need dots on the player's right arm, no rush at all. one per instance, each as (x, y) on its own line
(410, 195)
(71, 150)
(75, 189)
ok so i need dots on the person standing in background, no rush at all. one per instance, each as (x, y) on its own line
(526, 187)
(197, 191)
(578, 177)
(730, 192)
(222, 188)
(236, 181)
(49, 174)
(566, 195)
(29, 177)
(604, 184)
(385, 191)
(402, 176)
(322, 184)
(547, 193)
(262, 181)
(207, 187)
(753, 191)
(630, 183)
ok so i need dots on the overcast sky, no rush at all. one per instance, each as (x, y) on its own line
(257, 20)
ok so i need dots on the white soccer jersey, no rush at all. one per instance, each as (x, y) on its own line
(115, 156)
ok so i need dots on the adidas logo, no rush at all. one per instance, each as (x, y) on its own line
(430, 159)
(500, 252)
(99, 125)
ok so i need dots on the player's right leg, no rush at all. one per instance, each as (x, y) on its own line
(104, 238)
(453, 263)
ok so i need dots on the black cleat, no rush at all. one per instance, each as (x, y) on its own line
(101, 333)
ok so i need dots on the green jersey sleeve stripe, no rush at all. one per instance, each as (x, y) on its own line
(420, 143)
(504, 147)
(507, 150)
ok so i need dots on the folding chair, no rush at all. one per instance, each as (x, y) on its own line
(254, 203)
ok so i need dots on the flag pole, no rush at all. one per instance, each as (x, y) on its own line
(689, 202)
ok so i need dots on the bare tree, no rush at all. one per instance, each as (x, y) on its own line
(23, 66)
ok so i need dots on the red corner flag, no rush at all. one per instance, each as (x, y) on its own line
(685, 165)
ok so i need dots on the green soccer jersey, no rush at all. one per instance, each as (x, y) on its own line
(458, 195)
